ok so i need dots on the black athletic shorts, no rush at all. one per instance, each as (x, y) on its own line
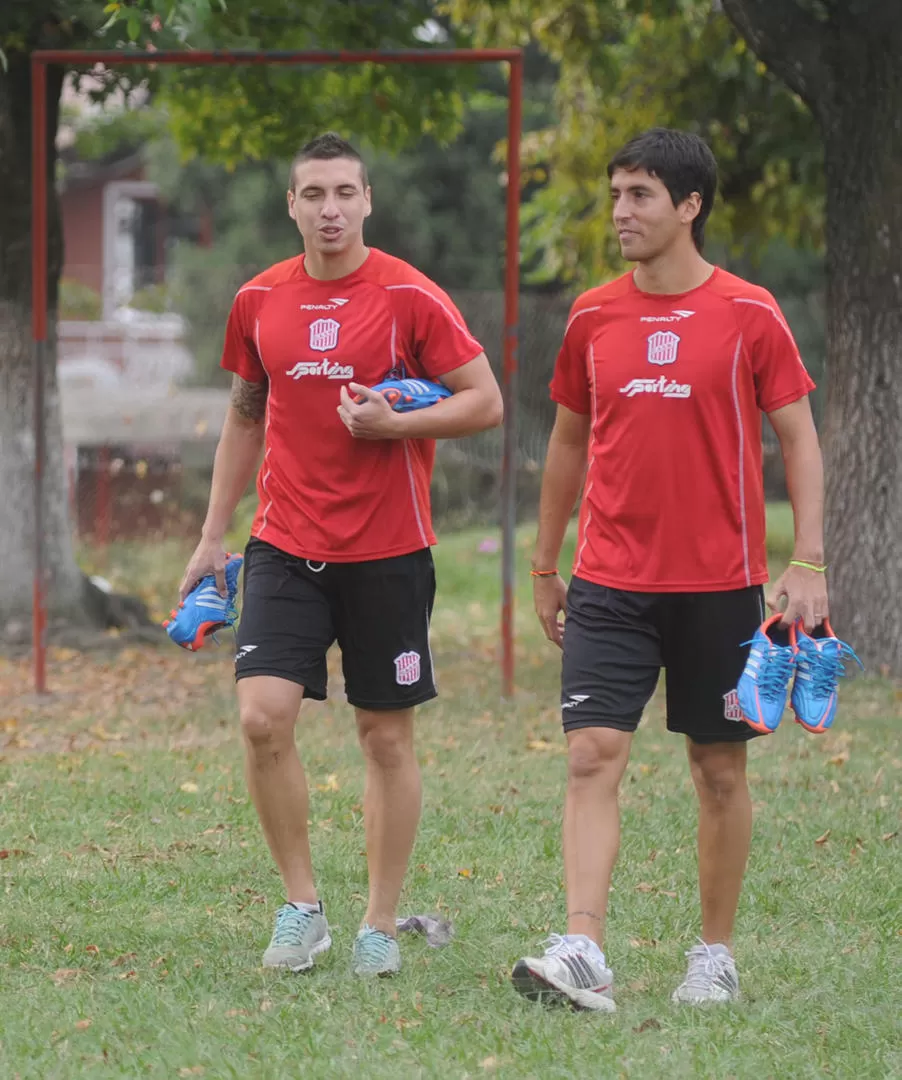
(616, 642)
(293, 610)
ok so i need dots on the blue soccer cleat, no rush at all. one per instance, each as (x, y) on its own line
(819, 667)
(764, 683)
(405, 395)
(204, 610)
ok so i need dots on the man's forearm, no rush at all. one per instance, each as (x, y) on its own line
(237, 459)
(805, 485)
(565, 470)
(464, 413)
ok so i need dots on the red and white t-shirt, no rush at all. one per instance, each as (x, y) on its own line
(675, 385)
(324, 495)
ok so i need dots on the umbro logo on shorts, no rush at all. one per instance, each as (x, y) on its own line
(407, 668)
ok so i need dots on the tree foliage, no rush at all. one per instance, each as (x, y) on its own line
(627, 65)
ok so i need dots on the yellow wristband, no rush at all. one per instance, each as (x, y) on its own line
(808, 565)
(543, 573)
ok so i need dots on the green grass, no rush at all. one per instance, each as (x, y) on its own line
(138, 893)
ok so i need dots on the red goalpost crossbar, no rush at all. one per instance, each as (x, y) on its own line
(41, 59)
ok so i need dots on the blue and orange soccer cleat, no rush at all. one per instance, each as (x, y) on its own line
(405, 395)
(204, 611)
(764, 682)
(819, 667)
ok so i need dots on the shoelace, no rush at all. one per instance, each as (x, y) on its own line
(375, 945)
(291, 924)
(775, 672)
(825, 665)
(704, 967)
(558, 945)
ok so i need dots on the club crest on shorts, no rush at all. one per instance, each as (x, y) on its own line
(324, 334)
(407, 668)
(731, 708)
(662, 347)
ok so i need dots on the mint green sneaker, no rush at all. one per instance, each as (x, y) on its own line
(297, 938)
(375, 953)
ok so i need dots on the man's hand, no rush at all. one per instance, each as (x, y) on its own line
(800, 594)
(550, 596)
(372, 418)
(209, 558)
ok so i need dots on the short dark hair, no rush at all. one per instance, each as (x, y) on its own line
(326, 147)
(683, 163)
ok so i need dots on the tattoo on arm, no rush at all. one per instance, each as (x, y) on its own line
(249, 398)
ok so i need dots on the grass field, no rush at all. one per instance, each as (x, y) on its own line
(138, 894)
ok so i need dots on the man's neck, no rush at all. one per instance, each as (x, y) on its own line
(332, 267)
(670, 274)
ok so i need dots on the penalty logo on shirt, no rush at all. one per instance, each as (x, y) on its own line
(407, 668)
(324, 335)
(663, 347)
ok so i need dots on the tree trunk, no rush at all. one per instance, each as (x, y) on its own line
(863, 416)
(70, 598)
(843, 59)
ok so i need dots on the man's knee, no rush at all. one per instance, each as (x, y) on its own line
(386, 738)
(718, 770)
(597, 753)
(268, 710)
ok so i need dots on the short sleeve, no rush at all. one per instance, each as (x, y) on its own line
(439, 338)
(239, 353)
(780, 375)
(570, 382)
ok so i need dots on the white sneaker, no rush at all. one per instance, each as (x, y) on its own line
(573, 970)
(298, 938)
(711, 976)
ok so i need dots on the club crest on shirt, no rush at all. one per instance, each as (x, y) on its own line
(662, 347)
(324, 335)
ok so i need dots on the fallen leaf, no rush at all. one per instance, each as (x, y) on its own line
(100, 732)
(644, 886)
(92, 949)
(465, 873)
(83, 1025)
(6, 853)
(124, 959)
(129, 975)
(839, 759)
(647, 1025)
(822, 839)
(189, 787)
(889, 835)
(546, 746)
(64, 975)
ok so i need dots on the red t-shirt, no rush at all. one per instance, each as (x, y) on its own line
(324, 495)
(675, 385)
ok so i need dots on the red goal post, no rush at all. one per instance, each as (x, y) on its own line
(40, 61)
